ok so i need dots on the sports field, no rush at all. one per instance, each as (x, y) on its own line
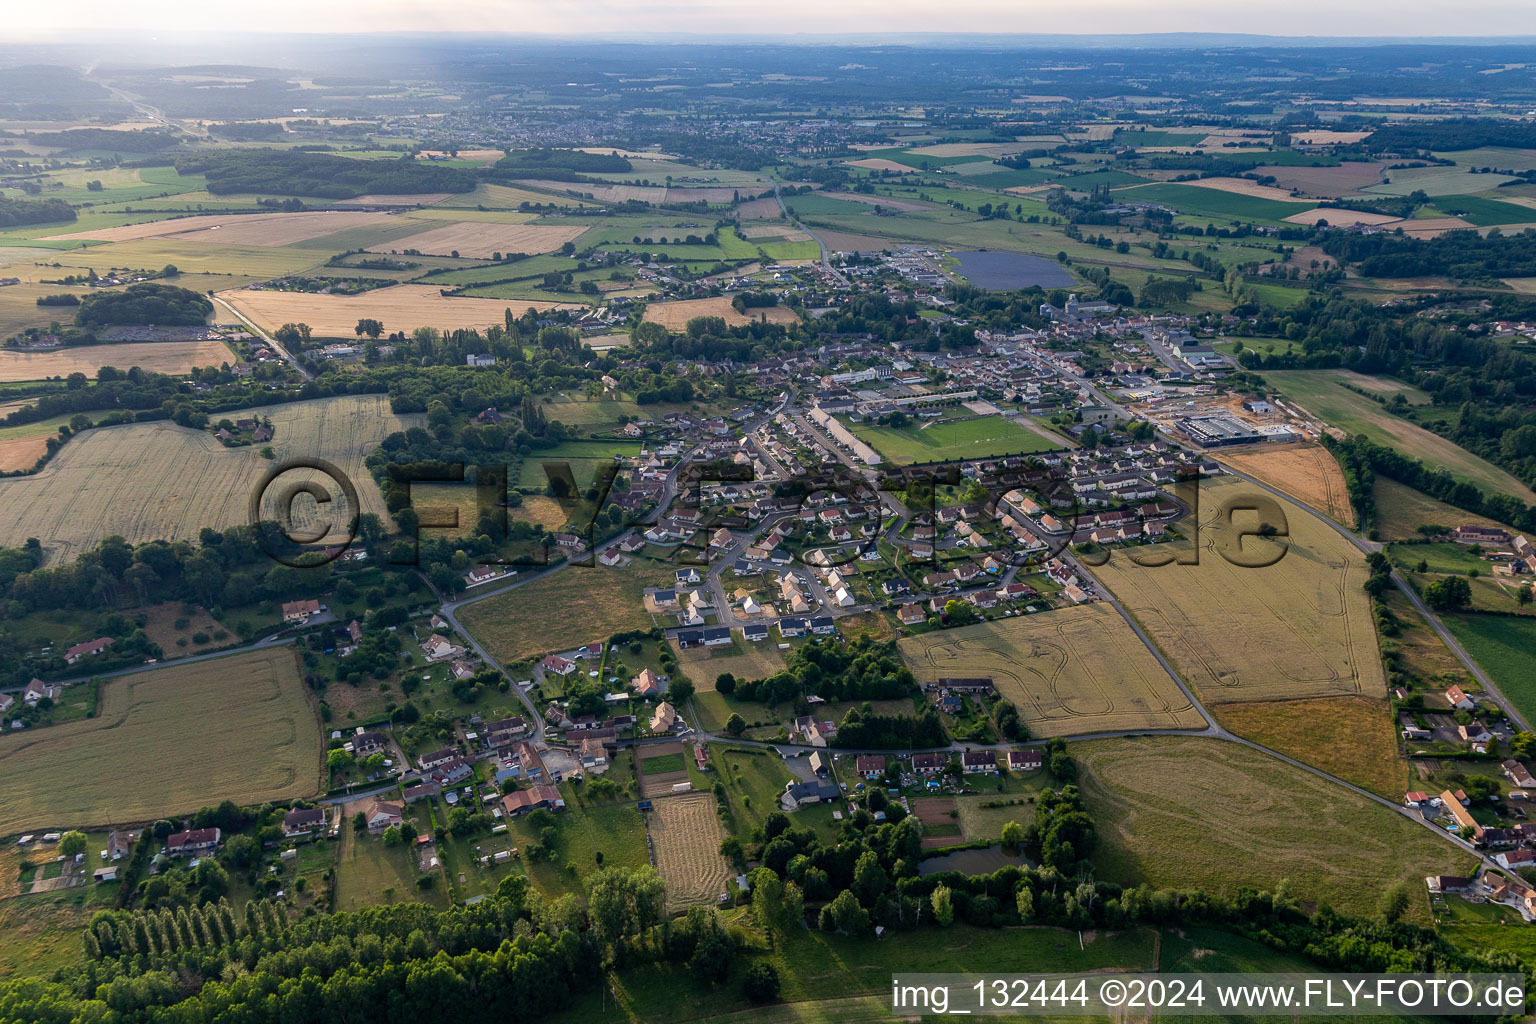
(946, 440)
(1319, 393)
(1307, 472)
(257, 739)
(1301, 627)
(1071, 671)
(149, 481)
(158, 356)
(403, 307)
(1193, 813)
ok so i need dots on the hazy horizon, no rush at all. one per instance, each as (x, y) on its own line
(606, 19)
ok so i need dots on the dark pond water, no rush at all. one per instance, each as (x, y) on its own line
(973, 862)
(1009, 271)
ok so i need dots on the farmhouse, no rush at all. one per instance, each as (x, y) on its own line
(533, 798)
(384, 814)
(194, 843)
(87, 649)
(1479, 535)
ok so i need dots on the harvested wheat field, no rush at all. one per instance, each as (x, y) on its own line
(1307, 472)
(766, 208)
(1071, 671)
(1300, 627)
(1245, 187)
(885, 202)
(1196, 813)
(1323, 137)
(780, 231)
(1330, 182)
(993, 149)
(1342, 218)
(403, 307)
(1434, 227)
(424, 199)
(480, 240)
(267, 229)
(174, 357)
(674, 316)
(151, 481)
(1350, 737)
(18, 453)
(687, 834)
(260, 740)
(603, 193)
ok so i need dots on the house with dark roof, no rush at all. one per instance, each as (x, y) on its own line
(193, 843)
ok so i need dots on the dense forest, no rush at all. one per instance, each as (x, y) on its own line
(165, 305)
(1464, 255)
(558, 164)
(16, 212)
(295, 173)
(1453, 135)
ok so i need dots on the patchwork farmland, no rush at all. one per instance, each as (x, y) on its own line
(1072, 671)
(266, 746)
(157, 480)
(1301, 627)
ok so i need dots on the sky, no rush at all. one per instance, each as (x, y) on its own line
(610, 18)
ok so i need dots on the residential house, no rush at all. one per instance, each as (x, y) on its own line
(593, 754)
(1458, 698)
(974, 761)
(38, 690)
(647, 683)
(558, 665)
(422, 791)
(300, 611)
(504, 730)
(303, 823)
(819, 764)
(911, 614)
(928, 764)
(366, 744)
(664, 718)
(91, 648)
(1027, 760)
(870, 766)
(801, 794)
(119, 844)
(755, 631)
(1469, 828)
(382, 815)
(195, 843)
(533, 798)
(1519, 774)
(438, 757)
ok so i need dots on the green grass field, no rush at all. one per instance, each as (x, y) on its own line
(1318, 392)
(1505, 647)
(1196, 813)
(1485, 212)
(942, 440)
(1198, 201)
(661, 764)
(616, 832)
(370, 873)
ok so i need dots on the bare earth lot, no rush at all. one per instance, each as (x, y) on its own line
(134, 762)
(158, 356)
(403, 307)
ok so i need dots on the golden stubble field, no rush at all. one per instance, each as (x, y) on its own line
(150, 481)
(674, 316)
(166, 742)
(1301, 627)
(1071, 671)
(687, 834)
(173, 357)
(1307, 472)
(265, 229)
(403, 307)
(480, 240)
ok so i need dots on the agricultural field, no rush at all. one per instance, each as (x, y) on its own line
(1344, 179)
(1348, 737)
(1300, 627)
(674, 316)
(260, 229)
(1189, 812)
(1504, 646)
(563, 610)
(402, 307)
(95, 771)
(1435, 181)
(157, 480)
(949, 440)
(1319, 393)
(480, 240)
(1070, 671)
(1209, 202)
(175, 357)
(1401, 510)
(751, 661)
(687, 834)
(1308, 473)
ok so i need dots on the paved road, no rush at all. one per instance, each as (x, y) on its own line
(264, 336)
(826, 260)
